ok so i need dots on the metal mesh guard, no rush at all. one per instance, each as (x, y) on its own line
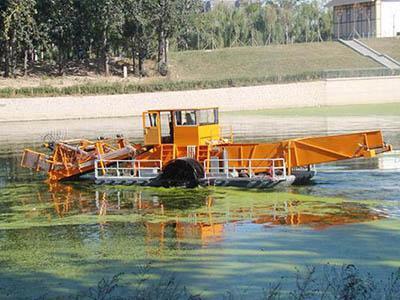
(35, 161)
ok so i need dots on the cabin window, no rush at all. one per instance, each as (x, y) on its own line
(151, 120)
(208, 116)
(185, 118)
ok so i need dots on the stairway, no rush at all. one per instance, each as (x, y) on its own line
(365, 50)
(203, 153)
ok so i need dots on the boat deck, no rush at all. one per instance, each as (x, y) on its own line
(146, 173)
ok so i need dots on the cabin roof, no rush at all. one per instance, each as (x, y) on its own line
(333, 3)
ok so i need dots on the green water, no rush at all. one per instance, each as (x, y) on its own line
(60, 240)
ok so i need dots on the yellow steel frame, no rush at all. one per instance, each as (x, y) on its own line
(183, 134)
(313, 150)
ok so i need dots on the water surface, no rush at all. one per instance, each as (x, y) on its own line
(59, 240)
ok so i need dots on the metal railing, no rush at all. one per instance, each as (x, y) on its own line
(362, 72)
(224, 133)
(231, 168)
(127, 169)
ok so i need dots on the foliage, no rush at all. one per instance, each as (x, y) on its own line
(65, 30)
(275, 22)
(104, 288)
(138, 31)
(19, 32)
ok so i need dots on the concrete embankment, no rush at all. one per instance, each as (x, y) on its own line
(346, 91)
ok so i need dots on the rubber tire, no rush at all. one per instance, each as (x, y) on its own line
(181, 172)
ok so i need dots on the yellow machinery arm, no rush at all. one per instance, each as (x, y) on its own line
(331, 148)
(314, 150)
(76, 157)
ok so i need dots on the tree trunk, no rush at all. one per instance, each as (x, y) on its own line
(106, 61)
(13, 62)
(107, 64)
(306, 34)
(161, 47)
(7, 60)
(166, 46)
(133, 60)
(60, 62)
(287, 33)
(141, 61)
(98, 60)
(13, 55)
(198, 40)
(26, 63)
(106, 57)
(2, 59)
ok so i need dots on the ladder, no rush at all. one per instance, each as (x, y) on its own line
(167, 152)
(203, 153)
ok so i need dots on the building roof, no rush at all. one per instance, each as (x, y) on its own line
(333, 3)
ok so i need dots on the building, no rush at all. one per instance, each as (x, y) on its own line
(365, 18)
(210, 4)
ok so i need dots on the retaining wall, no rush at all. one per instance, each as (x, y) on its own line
(302, 94)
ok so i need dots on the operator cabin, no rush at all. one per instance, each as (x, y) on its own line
(365, 18)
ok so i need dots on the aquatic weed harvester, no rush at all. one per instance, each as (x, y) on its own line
(185, 147)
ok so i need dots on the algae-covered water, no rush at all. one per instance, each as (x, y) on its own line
(60, 240)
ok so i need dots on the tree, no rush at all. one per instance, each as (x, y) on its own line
(59, 16)
(2, 36)
(104, 20)
(185, 33)
(170, 15)
(19, 32)
(271, 18)
(138, 30)
(166, 16)
(286, 15)
(142, 29)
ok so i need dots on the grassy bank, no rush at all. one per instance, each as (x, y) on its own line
(221, 68)
(389, 46)
(125, 87)
(275, 60)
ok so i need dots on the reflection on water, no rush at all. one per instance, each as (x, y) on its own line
(200, 214)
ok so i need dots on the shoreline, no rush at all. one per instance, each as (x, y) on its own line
(321, 93)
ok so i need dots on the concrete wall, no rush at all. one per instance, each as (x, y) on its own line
(303, 94)
(368, 90)
(390, 18)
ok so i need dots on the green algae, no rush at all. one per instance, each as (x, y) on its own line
(65, 254)
(68, 205)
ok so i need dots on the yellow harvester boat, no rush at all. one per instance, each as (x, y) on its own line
(185, 147)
